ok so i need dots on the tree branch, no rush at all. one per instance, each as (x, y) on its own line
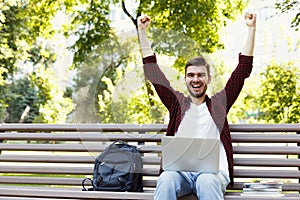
(138, 13)
(128, 14)
(150, 92)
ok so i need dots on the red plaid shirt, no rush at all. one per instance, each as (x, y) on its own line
(218, 105)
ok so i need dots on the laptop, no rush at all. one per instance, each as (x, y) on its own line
(190, 154)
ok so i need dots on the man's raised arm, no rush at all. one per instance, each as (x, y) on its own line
(249, 45)
(143, 23)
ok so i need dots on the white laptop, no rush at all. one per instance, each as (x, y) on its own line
(190, 154)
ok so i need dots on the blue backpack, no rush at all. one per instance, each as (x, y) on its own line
(117, 168)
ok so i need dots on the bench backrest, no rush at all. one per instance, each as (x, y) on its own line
(62, 155)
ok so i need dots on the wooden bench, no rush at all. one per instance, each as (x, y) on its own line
(40, 161)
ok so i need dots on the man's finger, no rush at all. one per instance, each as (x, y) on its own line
(145, 19)
(249, 15)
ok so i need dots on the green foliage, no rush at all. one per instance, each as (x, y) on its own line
(286, 6)
(128, 101)
(272, 97)
(246, 108)
(19, 95)
(22, 25)
(35, 99)
(197, 19)
(98, 75)
(25, 31)
(90, 25)
(53, 106)
(3, 105)
(99, 56)
(279, 98)
(2, 80)
(111, 88)
(179, 28)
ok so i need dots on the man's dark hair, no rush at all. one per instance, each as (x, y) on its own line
(198, 61)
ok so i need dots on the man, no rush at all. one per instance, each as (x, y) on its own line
(198, 114)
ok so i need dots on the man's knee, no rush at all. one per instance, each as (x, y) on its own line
(209, 186)
(171, 185)
(168, 178)
(167, 186)
(208, 180)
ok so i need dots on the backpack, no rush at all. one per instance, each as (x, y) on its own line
(117, 168)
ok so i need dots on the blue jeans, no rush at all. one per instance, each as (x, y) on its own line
(206, 186)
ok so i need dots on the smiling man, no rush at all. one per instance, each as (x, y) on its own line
(197, 78)
(198, 115)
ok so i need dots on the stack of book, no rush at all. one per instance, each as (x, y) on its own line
(262, 189)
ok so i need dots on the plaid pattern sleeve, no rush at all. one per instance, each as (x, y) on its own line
(150, 59)
(235, 83)
(220, 103)
(167, 94)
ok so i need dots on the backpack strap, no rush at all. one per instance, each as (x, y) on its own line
(83, 187)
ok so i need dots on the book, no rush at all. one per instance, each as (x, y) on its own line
(266, 194)
(262, 189)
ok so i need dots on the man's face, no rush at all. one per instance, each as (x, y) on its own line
(197, 79)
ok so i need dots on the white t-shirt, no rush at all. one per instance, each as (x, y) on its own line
(197, 122)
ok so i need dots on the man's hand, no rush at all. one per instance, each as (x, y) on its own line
(143, 22)
(250, 19)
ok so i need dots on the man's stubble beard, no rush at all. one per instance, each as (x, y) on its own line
(198, 95)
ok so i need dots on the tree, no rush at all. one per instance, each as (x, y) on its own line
(286, 6)
(22, 25)
(25, 31)
(3, 105)
(200, 21)
(25, 23)
(91, 79)
(53, 106)
(246, 108)
(173, 33)
(90, 24)
(36, 98)
(279, 98)
(22, 101)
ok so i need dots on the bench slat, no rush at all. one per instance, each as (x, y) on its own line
(285, 187)
(265, 138)
(232, 196)
(63, 170)
(245, 173)
(40, 180)
(77, 182)
(139, 127)
(267, 162)
(29, 198)
(65, 193)
(80, 147)
(83, 147)
(54, 181)
(81, 137)
(85, 127)
(64, 159)
(279, 150)
(36, 192)
(107, 137)
(239, 173)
